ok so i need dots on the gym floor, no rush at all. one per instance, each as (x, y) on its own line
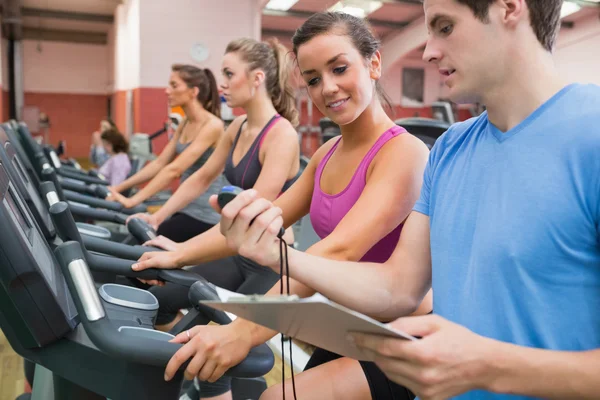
(12, 379)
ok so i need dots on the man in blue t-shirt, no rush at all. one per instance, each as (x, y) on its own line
(506, 231)
(510, 209)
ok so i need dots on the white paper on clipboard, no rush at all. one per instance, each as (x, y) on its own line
(314, 320)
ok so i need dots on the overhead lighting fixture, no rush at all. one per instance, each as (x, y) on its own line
(357, 8)
(281, 5)
(569, 8)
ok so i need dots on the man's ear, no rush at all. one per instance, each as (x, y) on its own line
(511, 11)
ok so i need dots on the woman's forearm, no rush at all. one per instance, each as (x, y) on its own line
(144, 175)
(165, 177)
(208, 246)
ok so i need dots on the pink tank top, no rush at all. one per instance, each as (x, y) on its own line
(326, 211)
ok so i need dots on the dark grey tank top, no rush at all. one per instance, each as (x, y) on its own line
(199, 208)
(246, 173)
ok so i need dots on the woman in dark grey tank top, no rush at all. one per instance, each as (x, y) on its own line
(195, 90)
(198, 216)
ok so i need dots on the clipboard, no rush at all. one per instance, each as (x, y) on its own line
(315, 320)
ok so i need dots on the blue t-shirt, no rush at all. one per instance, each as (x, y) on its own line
(514, 218)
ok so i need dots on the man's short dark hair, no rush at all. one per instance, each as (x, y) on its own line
(544, 17)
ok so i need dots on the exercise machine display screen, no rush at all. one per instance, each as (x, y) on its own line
(34, 197)
(27, 230)
(25, 248)
(20, 170)
(17, 212)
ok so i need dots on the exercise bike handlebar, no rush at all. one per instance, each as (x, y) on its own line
(141, 230)
(118, 266)
(49, 175)
(82, 177)
(115, 249)
(143, 346)
(100, 203)
(67, 230)
(99, 191)
(104, 334)
(204, 290)
(49, 192)
(98, 214)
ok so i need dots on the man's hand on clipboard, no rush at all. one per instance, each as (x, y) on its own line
(251, 225)
(448, 359)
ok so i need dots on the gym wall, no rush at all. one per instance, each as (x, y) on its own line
(70, 82)
(73, 83)
(150, 36)
(577, 52)
(125, 42)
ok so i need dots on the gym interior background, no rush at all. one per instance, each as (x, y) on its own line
(78, 61)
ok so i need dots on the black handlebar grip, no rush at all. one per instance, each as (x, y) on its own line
(141, 230)
(228, 193)
(49, 174)
(203, 290)
(64, 222)
(49, 193)
(101, 191)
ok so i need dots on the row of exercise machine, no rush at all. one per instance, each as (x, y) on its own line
(61, 306)
(70, 302)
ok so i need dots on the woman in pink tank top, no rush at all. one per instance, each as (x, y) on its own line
(328, 210)
(358, 189)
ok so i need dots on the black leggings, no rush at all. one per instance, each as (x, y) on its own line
(379, 385)
(237, 274)
(181, 227)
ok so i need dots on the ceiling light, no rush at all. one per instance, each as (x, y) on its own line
(569, 8)
(282, 5)
(357, 8)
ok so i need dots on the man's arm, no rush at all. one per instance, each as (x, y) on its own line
(544, 373)
(384, 291)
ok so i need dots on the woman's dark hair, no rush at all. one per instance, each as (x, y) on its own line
(204, 80)
(356, 29)
(111, 123)
(270, 56)
(118, 142)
